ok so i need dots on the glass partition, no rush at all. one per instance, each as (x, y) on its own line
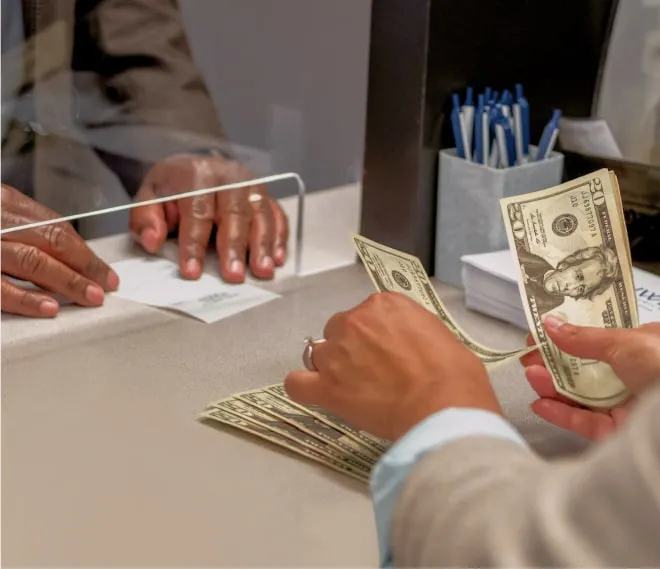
(189, 125)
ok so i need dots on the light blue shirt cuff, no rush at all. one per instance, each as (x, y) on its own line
(392, 469)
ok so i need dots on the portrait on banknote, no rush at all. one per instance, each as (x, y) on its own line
(584, 274)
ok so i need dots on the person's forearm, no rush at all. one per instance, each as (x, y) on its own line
(394, 467)
(487, 502)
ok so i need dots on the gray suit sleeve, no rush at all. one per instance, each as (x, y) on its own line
(482, 502)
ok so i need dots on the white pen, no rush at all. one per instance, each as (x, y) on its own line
(517, 131)
(462, 127)
(468, 114)
(501, 143)
(485, 137)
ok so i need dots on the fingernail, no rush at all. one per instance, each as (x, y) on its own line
(48, 307)
(148, 239)
(267, 263)
(193, 267)
(553, 323)
(94, 294)
(236, 266)
(113, 281)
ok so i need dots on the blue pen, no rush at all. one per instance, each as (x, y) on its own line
(500, 138)
(524, 116)
(468, 115)
(510, 141)
(519, 92)
(522, 130)
(494, 156)
(505, 141)
(481, 133)
(504, 104)
(549, 136)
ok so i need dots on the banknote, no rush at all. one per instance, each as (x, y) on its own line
(571, 247)
(278, 439)
(250, 413)
(297, 417)
(393, 271)
(375, 445)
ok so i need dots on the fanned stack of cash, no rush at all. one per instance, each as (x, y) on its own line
(269, 414)
(571, 249)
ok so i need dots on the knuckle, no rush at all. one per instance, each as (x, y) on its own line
(75, 282)
(30, 259)
(202, 207)
(8, 193)
(55, 237)
(352, 319)
(96, 268)
(26, 299)
(10, 219)
(374, 298)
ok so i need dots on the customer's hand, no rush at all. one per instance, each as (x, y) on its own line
(247, 219)
(53, 257)
(388, 364)
(633, 354)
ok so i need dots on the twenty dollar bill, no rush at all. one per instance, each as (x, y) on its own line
(571, 247)
(393, 271)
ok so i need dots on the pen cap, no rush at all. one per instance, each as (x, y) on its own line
(519, 92)
(469, 96)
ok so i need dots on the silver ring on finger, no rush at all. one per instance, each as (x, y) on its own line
(307, 355)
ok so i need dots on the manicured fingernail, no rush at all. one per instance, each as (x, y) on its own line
(113, 281)
(193, 267)
(553, 323)
(267, 263)
(94, 294)
(48, 307)
(236, 266)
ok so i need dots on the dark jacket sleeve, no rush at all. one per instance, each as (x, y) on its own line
(153, 99)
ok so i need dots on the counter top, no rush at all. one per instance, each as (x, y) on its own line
(103, 462)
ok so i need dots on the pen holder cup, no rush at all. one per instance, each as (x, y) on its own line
(468, 218)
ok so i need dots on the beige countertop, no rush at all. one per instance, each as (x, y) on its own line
(103, 462)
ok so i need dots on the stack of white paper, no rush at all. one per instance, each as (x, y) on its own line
(490, 284)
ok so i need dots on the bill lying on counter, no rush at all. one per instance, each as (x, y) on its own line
(571, 260)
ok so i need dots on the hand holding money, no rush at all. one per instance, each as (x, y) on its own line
(388, 364)
(570, 243)
(403, 356)
(634, 355)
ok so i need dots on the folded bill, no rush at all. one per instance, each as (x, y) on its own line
(393, 271)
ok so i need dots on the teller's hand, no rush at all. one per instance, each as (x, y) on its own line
(248, 220)
(53, 257)
(634, 355)
(388, 364)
